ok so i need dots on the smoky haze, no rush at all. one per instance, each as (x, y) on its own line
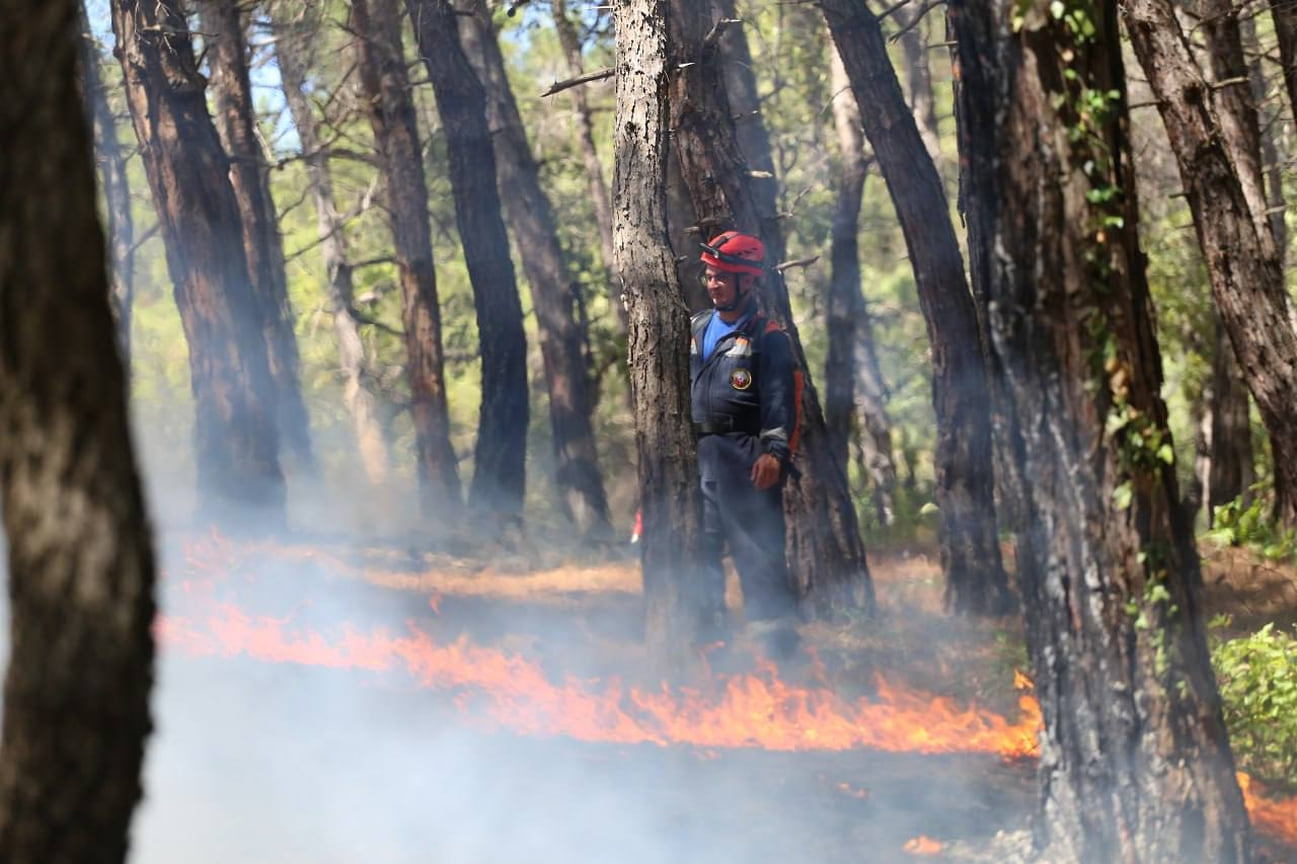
(279, 762)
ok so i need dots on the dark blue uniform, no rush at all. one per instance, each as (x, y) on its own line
(744, 404)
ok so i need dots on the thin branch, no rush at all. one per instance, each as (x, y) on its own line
(927, 7)
(560, 86)
(800, 262)
(714, 35)
(892, 10)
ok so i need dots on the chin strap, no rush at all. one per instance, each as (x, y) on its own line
(740, 298)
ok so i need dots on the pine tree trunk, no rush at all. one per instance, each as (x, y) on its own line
(571, 44)
(826, 557)
(1135, 762)
(80, 558)
(499, 476)
(294, 35)
(918, 80)
(961, 396)
(1271, 127)
(553, 291)
(237, 441)
(1231, 472)
(670, 494)
(1284, 14)
(853, 381)
(396, 138)
(116, 187)
(1213, 147)
(250, 178)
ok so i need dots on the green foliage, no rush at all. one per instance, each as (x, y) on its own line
(1247, 521)
(1257, 676)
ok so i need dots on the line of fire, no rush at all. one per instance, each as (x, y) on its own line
(649, 431)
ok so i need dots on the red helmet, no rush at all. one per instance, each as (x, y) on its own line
(733, 252)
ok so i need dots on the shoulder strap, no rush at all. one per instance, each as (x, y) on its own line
(799, 386)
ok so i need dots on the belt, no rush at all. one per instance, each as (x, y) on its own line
(721, 426)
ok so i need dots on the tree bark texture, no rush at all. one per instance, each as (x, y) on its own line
(1231, 472)
(853, 382)
(236, 124)
(1135, 761)
(80, 557)
(237, 442)
(667, 466)
(1224, 193)
(1284, 14)
(826, 557)
(295, 28)
(918, 79)
(1268, 119)
(499, 476)
(961, 396)
(386, 87)
(117, 191)
(570, 41)
(553, 291)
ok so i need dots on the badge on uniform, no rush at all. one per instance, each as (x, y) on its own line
(740, 379)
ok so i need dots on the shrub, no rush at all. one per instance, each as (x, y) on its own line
(1258, 684)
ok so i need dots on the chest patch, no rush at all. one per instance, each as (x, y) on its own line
(740, 379)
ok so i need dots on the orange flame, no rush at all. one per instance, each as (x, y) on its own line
(748, 711)
(1276, 818)
(922, 845)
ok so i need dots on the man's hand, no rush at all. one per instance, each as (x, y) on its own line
(766, 471)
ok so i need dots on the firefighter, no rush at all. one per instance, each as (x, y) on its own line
(744, 405)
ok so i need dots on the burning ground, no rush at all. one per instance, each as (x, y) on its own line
(323, 704)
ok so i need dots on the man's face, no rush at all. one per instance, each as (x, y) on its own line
(722, 287)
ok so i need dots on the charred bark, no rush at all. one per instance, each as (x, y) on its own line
(553, 291)
(500, 456)
(396, 138)
(1214, 149)
(295, 30)
(853, 382)
(961, 396)
(1135, 762)
(670, 495)
(236, 123)
(237, 440)
(80, 558)
(117, 191)
(570, 41)
(826, 557)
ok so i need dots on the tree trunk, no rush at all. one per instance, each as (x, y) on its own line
(80, 558)
(670, 494)
(961, 396)
(826, 557)
(1135, 762)
(918, 80)
(237, 441)
(500, 457)
(853, 381)
(531, 218)
(295, 30)
(1231, 473)
(236, 124)
(1224, 190)
(1284, 14)
(116, 186)
(571, 44)
(396, 138)
(1271, 162)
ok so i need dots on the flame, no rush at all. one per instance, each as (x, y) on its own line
(756, 710)
(922, 845)
(1276, 818)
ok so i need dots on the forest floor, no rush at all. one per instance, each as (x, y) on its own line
(621, 800)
